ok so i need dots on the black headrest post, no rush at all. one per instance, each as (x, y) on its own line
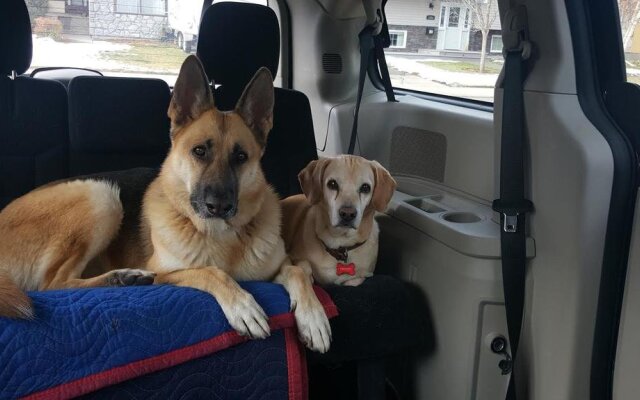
(236, 39)
(15, 38)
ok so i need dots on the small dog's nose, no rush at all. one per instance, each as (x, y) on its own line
(347, 214)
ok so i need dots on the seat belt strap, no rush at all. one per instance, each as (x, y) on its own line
(372, 44)
(366, 46)
(382, 40)
(512, 204)
(384, 70)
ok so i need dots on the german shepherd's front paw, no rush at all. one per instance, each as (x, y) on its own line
(130, 277)
(246, 316)
(313, 326)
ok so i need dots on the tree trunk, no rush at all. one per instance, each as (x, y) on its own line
(483, 52)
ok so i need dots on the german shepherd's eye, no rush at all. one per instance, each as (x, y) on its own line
(333, 185)
(365, 188)
(241, 157)
(199, 151)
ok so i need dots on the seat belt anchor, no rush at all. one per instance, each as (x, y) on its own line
(510, 212)
(515, 32)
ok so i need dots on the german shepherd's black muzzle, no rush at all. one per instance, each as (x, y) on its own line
(219, 200)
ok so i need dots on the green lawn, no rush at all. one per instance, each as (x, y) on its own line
(156, 57)
(464, 66)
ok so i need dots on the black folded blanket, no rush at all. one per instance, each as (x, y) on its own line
(383, 319)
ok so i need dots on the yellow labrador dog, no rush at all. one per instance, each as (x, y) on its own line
(331, 228)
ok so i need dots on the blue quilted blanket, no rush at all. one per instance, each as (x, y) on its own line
(86, 339)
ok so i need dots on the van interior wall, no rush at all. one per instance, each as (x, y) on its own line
(440, 232)
(570, 184)
(324, 29)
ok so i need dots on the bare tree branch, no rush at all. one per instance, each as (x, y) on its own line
(483, 16)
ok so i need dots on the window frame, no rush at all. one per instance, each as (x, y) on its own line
(404, 34)
(139, 6)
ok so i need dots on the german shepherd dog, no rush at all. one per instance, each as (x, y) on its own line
(207, 219)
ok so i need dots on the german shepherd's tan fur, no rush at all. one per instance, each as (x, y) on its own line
(208, 219)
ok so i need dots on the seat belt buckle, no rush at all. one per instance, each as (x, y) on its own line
(510, 212)
(515, 32)
(510, 224)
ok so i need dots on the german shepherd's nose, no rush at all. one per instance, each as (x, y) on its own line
(219, 203)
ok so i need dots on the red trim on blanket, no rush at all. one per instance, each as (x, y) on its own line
(294, 366)
(295, 358)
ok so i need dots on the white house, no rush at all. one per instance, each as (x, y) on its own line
(423, 25)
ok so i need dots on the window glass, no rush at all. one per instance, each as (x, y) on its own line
(496, 43)
(629, 11)
(450, 47)
(139, 38)
(398, 39)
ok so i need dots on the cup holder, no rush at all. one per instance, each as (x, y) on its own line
(425, 206)
(461, 217)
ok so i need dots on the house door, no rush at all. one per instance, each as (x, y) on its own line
(453, 28)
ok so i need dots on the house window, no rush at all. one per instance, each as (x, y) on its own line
(496, 44)
(398, 39)
(443, 11)
(143, 7)
(467, 12)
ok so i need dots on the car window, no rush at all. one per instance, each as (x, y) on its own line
(136, 38)
(629, 11)
(452, 48)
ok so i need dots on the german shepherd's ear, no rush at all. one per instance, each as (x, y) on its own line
(311, 179)
(383, 188)
(191, 94)
(256, 105)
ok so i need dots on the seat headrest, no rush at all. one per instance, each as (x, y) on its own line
(236, 39)
(15, 37)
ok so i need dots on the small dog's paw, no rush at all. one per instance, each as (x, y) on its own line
(313, 326)
(130, 277)
(246, 316)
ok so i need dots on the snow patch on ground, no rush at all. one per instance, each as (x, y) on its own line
(49, 53)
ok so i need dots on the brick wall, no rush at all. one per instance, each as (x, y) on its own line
(417, 38)
(475, 40)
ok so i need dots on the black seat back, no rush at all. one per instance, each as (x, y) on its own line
(117, 123)
(232, 64)
(33, 112)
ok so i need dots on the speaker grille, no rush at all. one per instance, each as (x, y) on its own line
(418, 153)
(332, 63)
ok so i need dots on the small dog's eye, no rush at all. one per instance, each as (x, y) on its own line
(199, 151)
(365, 188)
(332, 184)
(241, 157)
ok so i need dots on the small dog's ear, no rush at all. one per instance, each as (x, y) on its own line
(191, 94)
(311, 179)
(384, 187)
(256, 105)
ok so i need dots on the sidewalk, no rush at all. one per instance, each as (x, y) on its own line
(449, 78)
